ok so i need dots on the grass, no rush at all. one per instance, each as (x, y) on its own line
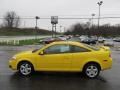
(29, 42)
(23, 31)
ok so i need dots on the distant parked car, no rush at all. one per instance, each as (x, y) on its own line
(75, 39)
(49, 40)
(117, 39)
(101, 39)
(108, 42)
(94, 38)
(63, 38)
(89, 41)
(83, 38)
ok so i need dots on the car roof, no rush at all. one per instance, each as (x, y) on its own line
(67, 42)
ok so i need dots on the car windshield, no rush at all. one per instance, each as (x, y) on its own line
(35, 50)
(92, 47)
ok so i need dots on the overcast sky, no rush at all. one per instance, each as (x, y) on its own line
(62, 8)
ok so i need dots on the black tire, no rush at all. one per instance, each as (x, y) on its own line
(91, 70)
(25, 68)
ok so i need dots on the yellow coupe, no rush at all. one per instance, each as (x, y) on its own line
(63, 56)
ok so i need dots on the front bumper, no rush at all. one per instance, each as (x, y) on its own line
(12, 64)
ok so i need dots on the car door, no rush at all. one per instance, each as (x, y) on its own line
(80, 54)
(55, 58)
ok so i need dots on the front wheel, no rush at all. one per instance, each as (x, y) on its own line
(25, 68)
(91, 70)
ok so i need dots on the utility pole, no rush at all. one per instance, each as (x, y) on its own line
(24, 24)
(64, 29)
(36, 26)
(52, 30)
(99, 4)
(55, 31)
(92, 19)
(60, 29)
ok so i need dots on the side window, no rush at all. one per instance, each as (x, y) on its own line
(56, 49)
(76, 49)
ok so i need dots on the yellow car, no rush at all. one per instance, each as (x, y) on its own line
(64, 56)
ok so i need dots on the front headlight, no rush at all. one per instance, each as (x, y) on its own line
(13, 58)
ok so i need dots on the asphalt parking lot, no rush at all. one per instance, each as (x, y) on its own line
(11, 80)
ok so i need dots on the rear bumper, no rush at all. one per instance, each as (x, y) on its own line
(107, 64)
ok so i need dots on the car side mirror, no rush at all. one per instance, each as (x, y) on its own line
(41, 53)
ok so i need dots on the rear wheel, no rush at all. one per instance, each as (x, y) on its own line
(25, 68)
(91, 70)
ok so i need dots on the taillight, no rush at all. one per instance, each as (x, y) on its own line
(109, 54)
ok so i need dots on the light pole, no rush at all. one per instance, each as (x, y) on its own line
(92, 19)
(24, 24)
(60, 29)
(36, 18)
(99, 4)
(64, 29)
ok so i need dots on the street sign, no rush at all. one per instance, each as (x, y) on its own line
(54, 19)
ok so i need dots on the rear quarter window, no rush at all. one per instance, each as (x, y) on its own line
(92, 47)
(76, 49)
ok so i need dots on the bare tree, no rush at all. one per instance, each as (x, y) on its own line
(104, 30)
(11, 20)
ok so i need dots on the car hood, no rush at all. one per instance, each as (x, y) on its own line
(23, 53)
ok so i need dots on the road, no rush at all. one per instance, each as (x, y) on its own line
(11, 80)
